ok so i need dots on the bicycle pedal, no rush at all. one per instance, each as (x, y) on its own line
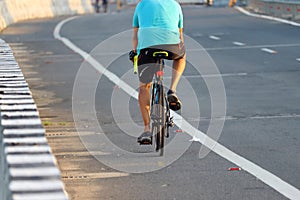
(175, 106)
(170, 122)
(145, 142)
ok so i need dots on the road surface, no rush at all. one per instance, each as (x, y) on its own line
(259, 63)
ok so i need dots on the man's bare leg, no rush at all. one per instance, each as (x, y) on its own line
(144, 101)
(178, 68)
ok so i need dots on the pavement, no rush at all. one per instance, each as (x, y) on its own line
(259, 64)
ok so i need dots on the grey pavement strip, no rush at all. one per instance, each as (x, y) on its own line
(18, 107)
(18, 114)
(17, 101)
(24, 132)
(37, 172)
(35, 185)
(12, 97)
(33, 149)
(24, 141)
(21, 122)
(30, 159)
(40, 196)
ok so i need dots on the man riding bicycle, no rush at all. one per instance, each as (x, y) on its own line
(157, 26)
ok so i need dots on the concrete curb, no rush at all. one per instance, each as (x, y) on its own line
(28, 170)
(12, 11)
(242, 10)
(283, 9)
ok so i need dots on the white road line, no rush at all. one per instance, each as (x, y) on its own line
(239, 43)
(266, 17)
(268, 178)
(269, 50)
(246, 47)
(233, 118)
(275, 116)
(17, 48)
(23, 51)
(15, 44)
(211, 75)
(298, 59)
(214, 37)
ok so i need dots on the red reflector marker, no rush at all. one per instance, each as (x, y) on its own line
(159, 73)
(234, 169)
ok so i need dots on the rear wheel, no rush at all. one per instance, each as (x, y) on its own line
(158, 117)
(160, 135)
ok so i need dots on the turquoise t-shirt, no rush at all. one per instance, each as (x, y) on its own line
(158, 22)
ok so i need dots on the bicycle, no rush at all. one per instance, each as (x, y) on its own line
(160, 114)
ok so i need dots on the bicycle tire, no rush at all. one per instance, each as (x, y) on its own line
(160, 135)
(157, 117)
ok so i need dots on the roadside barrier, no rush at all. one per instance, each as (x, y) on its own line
(12, 11)
(286, 9)
(28, 169)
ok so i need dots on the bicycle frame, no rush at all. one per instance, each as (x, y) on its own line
(160, 111)
(159, 107)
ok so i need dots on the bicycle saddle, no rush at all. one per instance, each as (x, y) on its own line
(160, 54)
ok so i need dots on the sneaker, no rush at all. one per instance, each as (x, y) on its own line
(145, 138)
(174, 102)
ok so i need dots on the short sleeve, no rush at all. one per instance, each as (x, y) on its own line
(135, 20)
(180, 22)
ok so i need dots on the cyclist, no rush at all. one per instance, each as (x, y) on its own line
(157, 25)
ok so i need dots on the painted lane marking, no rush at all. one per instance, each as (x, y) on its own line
(233, 118)
(268, 178)
(298, 59)
(239, 43)
(214, 37)
(23, 51)
(246, 47)
(19, 48)
(211, 75)
(269, 50)
(204, 49)
(16, 44)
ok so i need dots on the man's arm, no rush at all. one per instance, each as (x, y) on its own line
(135, 38)
(181, 35)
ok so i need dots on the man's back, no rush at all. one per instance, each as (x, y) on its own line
(158, 22)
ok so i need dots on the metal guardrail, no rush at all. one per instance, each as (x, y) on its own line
(28, 169)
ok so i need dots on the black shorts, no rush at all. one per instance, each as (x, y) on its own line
(146, 62)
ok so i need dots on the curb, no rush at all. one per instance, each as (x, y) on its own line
(242, 10)
(289, 10)
(28, 169)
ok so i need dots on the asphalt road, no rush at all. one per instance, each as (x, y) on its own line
(259, 63)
